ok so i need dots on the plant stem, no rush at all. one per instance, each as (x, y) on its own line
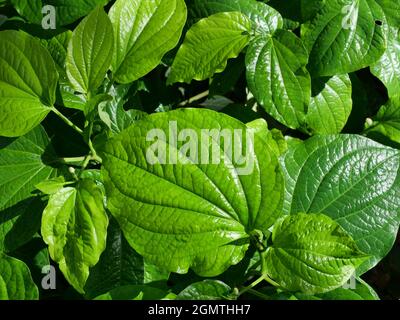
(195, 98)
(258, 294)
(72, 160)
(67, 121)
(252, 285)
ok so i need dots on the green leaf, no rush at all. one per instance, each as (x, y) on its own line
(112, 113)
(277, 77)
(265, 18)
(74, 226)
(90, 52)
(135, 292)
(209, 44)
(387, 69)
(185, 214)
(361, 291)
(66, 11)
(206, 290)
(52, 186)
(119, 266)
(23, 164)
(330, 105)
(386, 124)
(311, 253)
(58, 49)
(144, 32)
(353, 180)
(15, 280)
(28, 80)
(345, 36)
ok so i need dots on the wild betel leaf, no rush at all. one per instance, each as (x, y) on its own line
(90, 52)
(311, 253)
(15, 280)
(277, 77)
(353, 180)
(266, 19)
(205, 290)
(74, 226)
(191, 215)
(209, 44)
(345, 36)
(144, 32)
(28, 79)
(330, 105)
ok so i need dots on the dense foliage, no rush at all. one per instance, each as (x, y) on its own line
(306, 208)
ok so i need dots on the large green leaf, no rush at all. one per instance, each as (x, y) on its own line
(15, 280)
(386, 124)
(28, 80)
(23, 165)
(209, 44)
(144, 32)
(311, 253)
(353, 180)
(119, 266)
(90, 52)
(135, 292)
(277, 77)
(184, 214)
(330, 106)
(74, 226)
(67, 11)
(345, 36)
(266, 19)
(205, 290)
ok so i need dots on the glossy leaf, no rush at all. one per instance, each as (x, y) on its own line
(144, 32)
(209, 44)
(74, 226)
(265, 18)
(28, 80)
(277, 77)
(184, 214)
(331, 106)
(205, 290)
(345, 36)
(353, 180)
(15, 280)
(90, 52)
(311, 253)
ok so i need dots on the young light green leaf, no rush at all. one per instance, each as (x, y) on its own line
(353, 180)
(144, 32)
(206, 290)
(15, 280)
(265, 18)
(209, 44)
(74, 226)
(197, 209)
(311, 253)
(277, 77)
(386, 125)
(28, 79)
(90, 52)
(52, 186)
(330, 105)
(345, 36)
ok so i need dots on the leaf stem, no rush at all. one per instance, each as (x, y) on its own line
(258, 294)
(195, 98)
(67, 121)
(252, 285)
